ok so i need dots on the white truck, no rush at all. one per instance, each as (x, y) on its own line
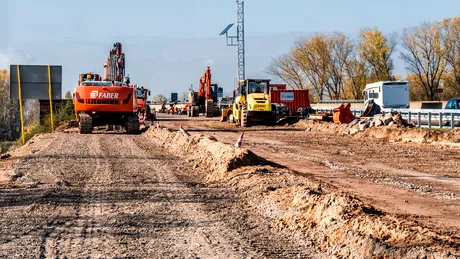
(388, 94)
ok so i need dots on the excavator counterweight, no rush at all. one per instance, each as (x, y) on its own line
(111, 101)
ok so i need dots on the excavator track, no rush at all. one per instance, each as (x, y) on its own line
(86, 124)
(132, 124)
(209, 108)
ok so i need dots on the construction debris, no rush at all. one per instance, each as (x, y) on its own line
(379, 120)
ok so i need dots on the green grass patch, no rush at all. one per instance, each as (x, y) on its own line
(63, 114)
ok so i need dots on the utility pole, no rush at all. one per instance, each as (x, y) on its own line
(238, 40)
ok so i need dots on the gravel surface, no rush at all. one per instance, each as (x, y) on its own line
(118, 195)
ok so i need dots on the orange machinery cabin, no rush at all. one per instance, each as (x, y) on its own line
(142, 96)
(90, 76)
(105, 97)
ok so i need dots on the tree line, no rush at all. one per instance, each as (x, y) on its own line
(9, 115)
(335, 66)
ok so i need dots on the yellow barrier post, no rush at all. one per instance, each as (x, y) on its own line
(20, 105)
(51, 98)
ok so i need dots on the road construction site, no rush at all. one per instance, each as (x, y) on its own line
(302, 189)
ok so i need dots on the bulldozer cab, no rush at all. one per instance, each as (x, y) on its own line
(252, 86)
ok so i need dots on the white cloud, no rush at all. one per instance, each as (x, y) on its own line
(210, 62)
(11, 56)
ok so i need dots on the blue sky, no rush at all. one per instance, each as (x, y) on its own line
(169, 43)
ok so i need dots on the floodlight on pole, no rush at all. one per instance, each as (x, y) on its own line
(237, 40)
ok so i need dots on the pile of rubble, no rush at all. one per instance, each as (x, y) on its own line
(380, 120)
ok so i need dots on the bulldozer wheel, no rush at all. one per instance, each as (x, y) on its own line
(189, 112)
(195, 111)
(86, 124)
(244, 116)
(132, 124)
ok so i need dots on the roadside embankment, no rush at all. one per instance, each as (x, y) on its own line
(319, 213)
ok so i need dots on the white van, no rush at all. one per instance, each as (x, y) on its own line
(388, 94)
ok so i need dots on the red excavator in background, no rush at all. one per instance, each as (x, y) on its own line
(205, 100)
(143, 108)
(112, 101)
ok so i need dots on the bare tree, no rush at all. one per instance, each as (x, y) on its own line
(68, 95)
(313, 58)
(452, 41)
(340, 49)
(377, 50)
(287, 69)
(183, 96)
(159, 98)
(9, 113)
(424, 54)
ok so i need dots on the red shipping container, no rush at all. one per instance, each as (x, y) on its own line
(293, 99)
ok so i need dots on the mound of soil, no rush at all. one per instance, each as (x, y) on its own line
(299, 205)
(205, 151)
(337, 222)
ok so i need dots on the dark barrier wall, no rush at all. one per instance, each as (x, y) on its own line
(34, 82)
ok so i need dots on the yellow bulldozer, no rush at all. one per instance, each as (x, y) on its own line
(251, 104)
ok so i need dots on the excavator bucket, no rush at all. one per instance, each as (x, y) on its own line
(343, 114)
(371, 109)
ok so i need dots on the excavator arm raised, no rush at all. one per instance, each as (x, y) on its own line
(114, 66)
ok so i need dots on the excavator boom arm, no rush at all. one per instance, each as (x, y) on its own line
(115, 64)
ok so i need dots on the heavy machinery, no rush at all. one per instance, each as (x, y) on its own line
(205, 100)
(90, 76)
(109, 102)
(142, 95)
(251, 104)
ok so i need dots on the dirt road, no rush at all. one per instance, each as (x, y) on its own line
(418, 180)
(116, 195)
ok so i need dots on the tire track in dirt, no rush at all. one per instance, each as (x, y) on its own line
(112, 195)
(250, 230)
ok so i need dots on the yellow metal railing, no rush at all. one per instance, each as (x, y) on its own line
(20, 105)
(51, 98)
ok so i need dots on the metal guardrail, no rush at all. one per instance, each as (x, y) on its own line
(431, 118)
(342, 101)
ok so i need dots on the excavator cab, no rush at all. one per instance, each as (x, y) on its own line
(89, 77)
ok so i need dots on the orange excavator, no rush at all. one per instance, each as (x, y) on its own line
(205, 100)
(90, 76)
(111, 101)
(143, 108)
